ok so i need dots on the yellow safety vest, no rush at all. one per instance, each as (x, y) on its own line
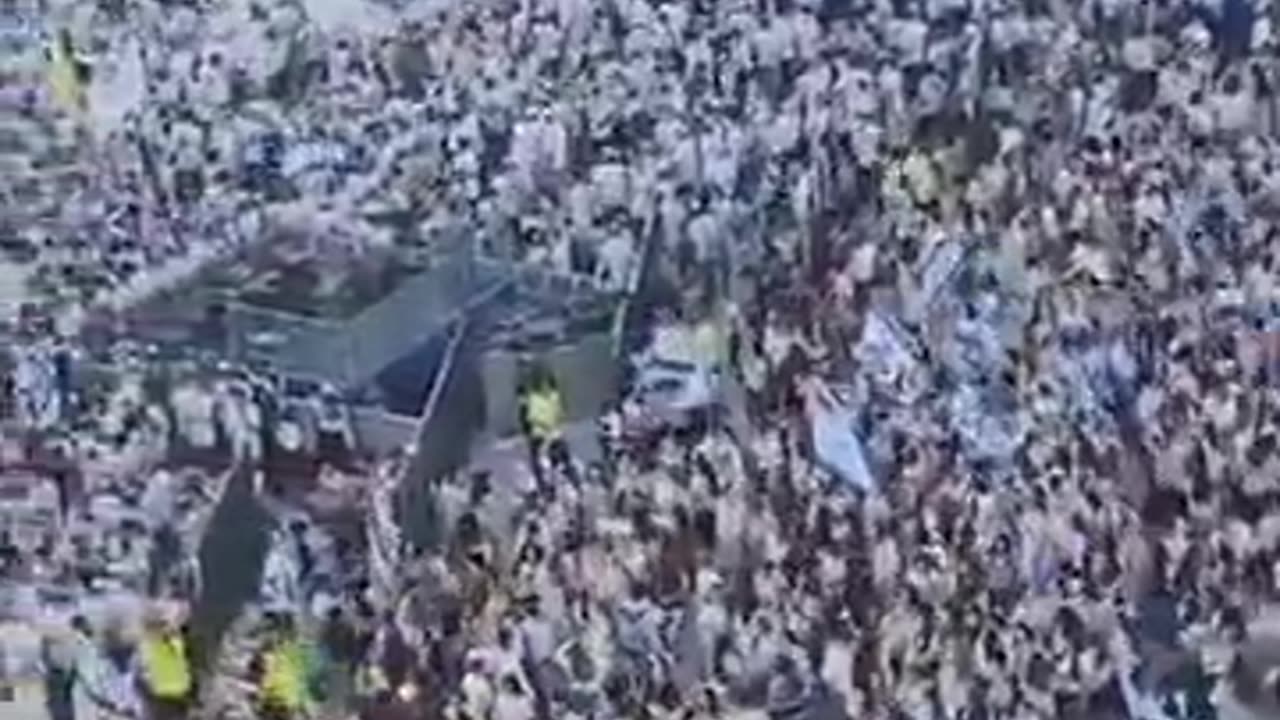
(165, 661)
(284, 677)
(544, 413)
(64, 81)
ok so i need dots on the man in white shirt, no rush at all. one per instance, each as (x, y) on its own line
(513, 701)
(477, 690)
(617, 258)
(193, 407)
(538, 636)
(106, 683)
(158, 498)
(334, 429)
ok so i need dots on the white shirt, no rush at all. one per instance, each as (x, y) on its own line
(539, 638)
(784, 133)
(616, 256)
(837, 668)
(99, 683)
(886, 562)
(908, 38)
(581, 204)
(158, 500)
(194, 408)
(512, 707)
(610, 182)
(478, 694)
(771, 44)
(832, 568)
(1233, 112)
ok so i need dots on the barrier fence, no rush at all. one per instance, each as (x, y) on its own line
(349, 353)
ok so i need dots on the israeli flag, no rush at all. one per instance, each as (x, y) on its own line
(942, 266)
(885, 348)
(839, 449)
(312, 155)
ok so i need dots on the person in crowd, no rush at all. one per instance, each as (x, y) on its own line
(106, 680)
(542, 418)
(281, 669)
(59, 659)
(167, 674)
(335, 435)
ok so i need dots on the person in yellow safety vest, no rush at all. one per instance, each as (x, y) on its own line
(66, 76)
(542, 412)
(282, 669)
(166, 668)
(545, 414)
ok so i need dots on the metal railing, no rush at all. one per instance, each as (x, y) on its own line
(292, 343)
(349, 353)
(421, 308)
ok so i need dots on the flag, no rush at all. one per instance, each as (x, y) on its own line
(885, 347)
(944, 262)
(838, 447)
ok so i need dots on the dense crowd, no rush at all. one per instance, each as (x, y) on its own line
(991, 309)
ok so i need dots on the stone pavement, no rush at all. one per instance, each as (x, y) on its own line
(509, 458)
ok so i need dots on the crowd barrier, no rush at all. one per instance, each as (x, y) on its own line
(474, 396)
(349, 353)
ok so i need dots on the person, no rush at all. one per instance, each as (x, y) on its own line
(512, 702)
(542, 416)
(197, 425)
(335, 436)
(67, 75)
(166, 670)
(282, 673)
(341, 645)
(63, 369)
(59, 660)
(477, 695)
(8, 388)
(106, 680)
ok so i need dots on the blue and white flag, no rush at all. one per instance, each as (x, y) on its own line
(839, 449)
(306, 156)
(885, 348)
(941, 267)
